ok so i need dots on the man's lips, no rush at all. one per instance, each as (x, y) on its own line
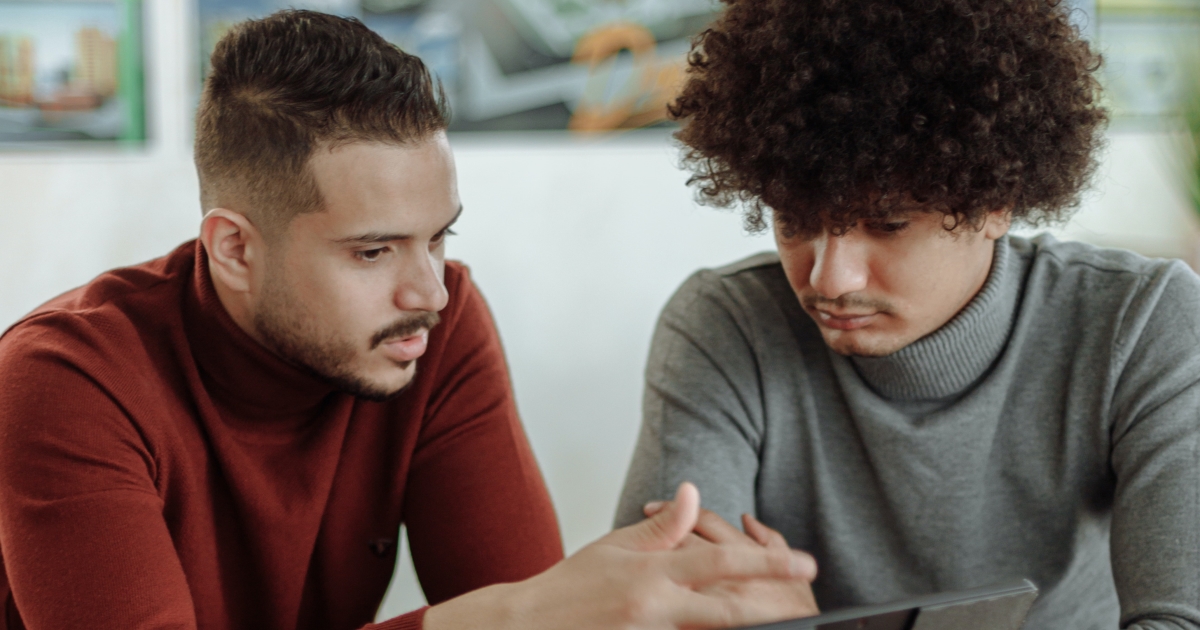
(844, 321)
(405, 349)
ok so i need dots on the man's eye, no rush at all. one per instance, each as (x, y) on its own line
(891, 227)
(441, 236)
(371, 255)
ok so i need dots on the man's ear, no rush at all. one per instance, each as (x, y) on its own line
(234, 248)
(998, 223)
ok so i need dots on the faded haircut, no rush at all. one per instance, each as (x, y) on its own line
(281, 87)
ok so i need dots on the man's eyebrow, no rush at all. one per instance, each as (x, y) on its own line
(387, 237)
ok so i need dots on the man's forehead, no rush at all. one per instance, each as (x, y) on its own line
(371, 186)
(334, 165)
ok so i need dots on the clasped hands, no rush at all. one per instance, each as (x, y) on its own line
(682, 568)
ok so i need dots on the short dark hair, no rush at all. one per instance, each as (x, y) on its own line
(283, 85)
(828, 112)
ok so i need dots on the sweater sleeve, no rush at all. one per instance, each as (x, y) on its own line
(1156, 460)
(476, 508)
(700, 421)
(84, 541)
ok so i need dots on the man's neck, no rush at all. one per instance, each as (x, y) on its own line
(237, 305)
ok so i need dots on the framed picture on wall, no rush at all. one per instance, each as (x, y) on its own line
(516, 65)
(1149, 47)
(70, 73)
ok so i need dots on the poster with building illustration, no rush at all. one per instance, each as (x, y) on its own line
(70, 72)
(517, 65)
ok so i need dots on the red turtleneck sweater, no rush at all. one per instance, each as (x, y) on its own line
(160, 469)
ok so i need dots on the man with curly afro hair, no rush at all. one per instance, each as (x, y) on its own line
(918, 398)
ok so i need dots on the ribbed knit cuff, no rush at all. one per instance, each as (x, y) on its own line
(408, 621)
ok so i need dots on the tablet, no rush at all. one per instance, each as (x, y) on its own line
(1001, 607)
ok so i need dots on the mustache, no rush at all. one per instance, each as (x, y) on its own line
(845, 303)
(406, 327)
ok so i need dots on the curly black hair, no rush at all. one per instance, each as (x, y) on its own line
(828, 112)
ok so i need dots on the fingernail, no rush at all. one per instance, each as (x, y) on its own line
(654, 506)
(803, 564)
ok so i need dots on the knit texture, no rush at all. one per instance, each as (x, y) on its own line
(161, 469)
(410, 621)
(948, 361)
(1057, 413)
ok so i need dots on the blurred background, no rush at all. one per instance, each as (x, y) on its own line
(578, 222)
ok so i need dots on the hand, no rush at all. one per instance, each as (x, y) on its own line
(784, 599)
(638, 578)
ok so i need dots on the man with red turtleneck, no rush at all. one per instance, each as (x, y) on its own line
(230, 436)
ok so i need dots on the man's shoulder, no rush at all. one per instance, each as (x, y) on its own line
(1086, 258)
(1124, 296)
(749, 294)
(739, 278)
(464, 323)
(118, 308)
(458, 278)
(756, 264)
(1091, 273)
(466, 302)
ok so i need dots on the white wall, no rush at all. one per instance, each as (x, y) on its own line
(576, 244)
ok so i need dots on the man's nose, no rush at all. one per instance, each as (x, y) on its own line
(421, 286)
(840, 265)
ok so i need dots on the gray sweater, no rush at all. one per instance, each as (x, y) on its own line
(1050, 431)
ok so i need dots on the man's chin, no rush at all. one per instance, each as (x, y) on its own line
(377, 395)
(376, 390)
(858, 344)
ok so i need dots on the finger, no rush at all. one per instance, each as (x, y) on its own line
(764, 535)
(772, 539)
(666, 529)
(808, 564)
(653, 507)
(699, 565)
(712, 527)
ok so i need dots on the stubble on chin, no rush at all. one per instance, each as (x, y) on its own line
(865, 342)
(842, 344)
(291, 333)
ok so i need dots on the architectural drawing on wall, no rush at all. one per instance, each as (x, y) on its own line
(70, 72)
(1148, 46)
(584, 65)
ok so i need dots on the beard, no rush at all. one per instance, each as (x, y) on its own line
(860, 347)
(852, 345)
(293, 333)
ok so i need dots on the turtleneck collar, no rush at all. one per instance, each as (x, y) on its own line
(245, 377)
(949, 360)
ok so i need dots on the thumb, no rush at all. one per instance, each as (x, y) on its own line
(667, 528)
